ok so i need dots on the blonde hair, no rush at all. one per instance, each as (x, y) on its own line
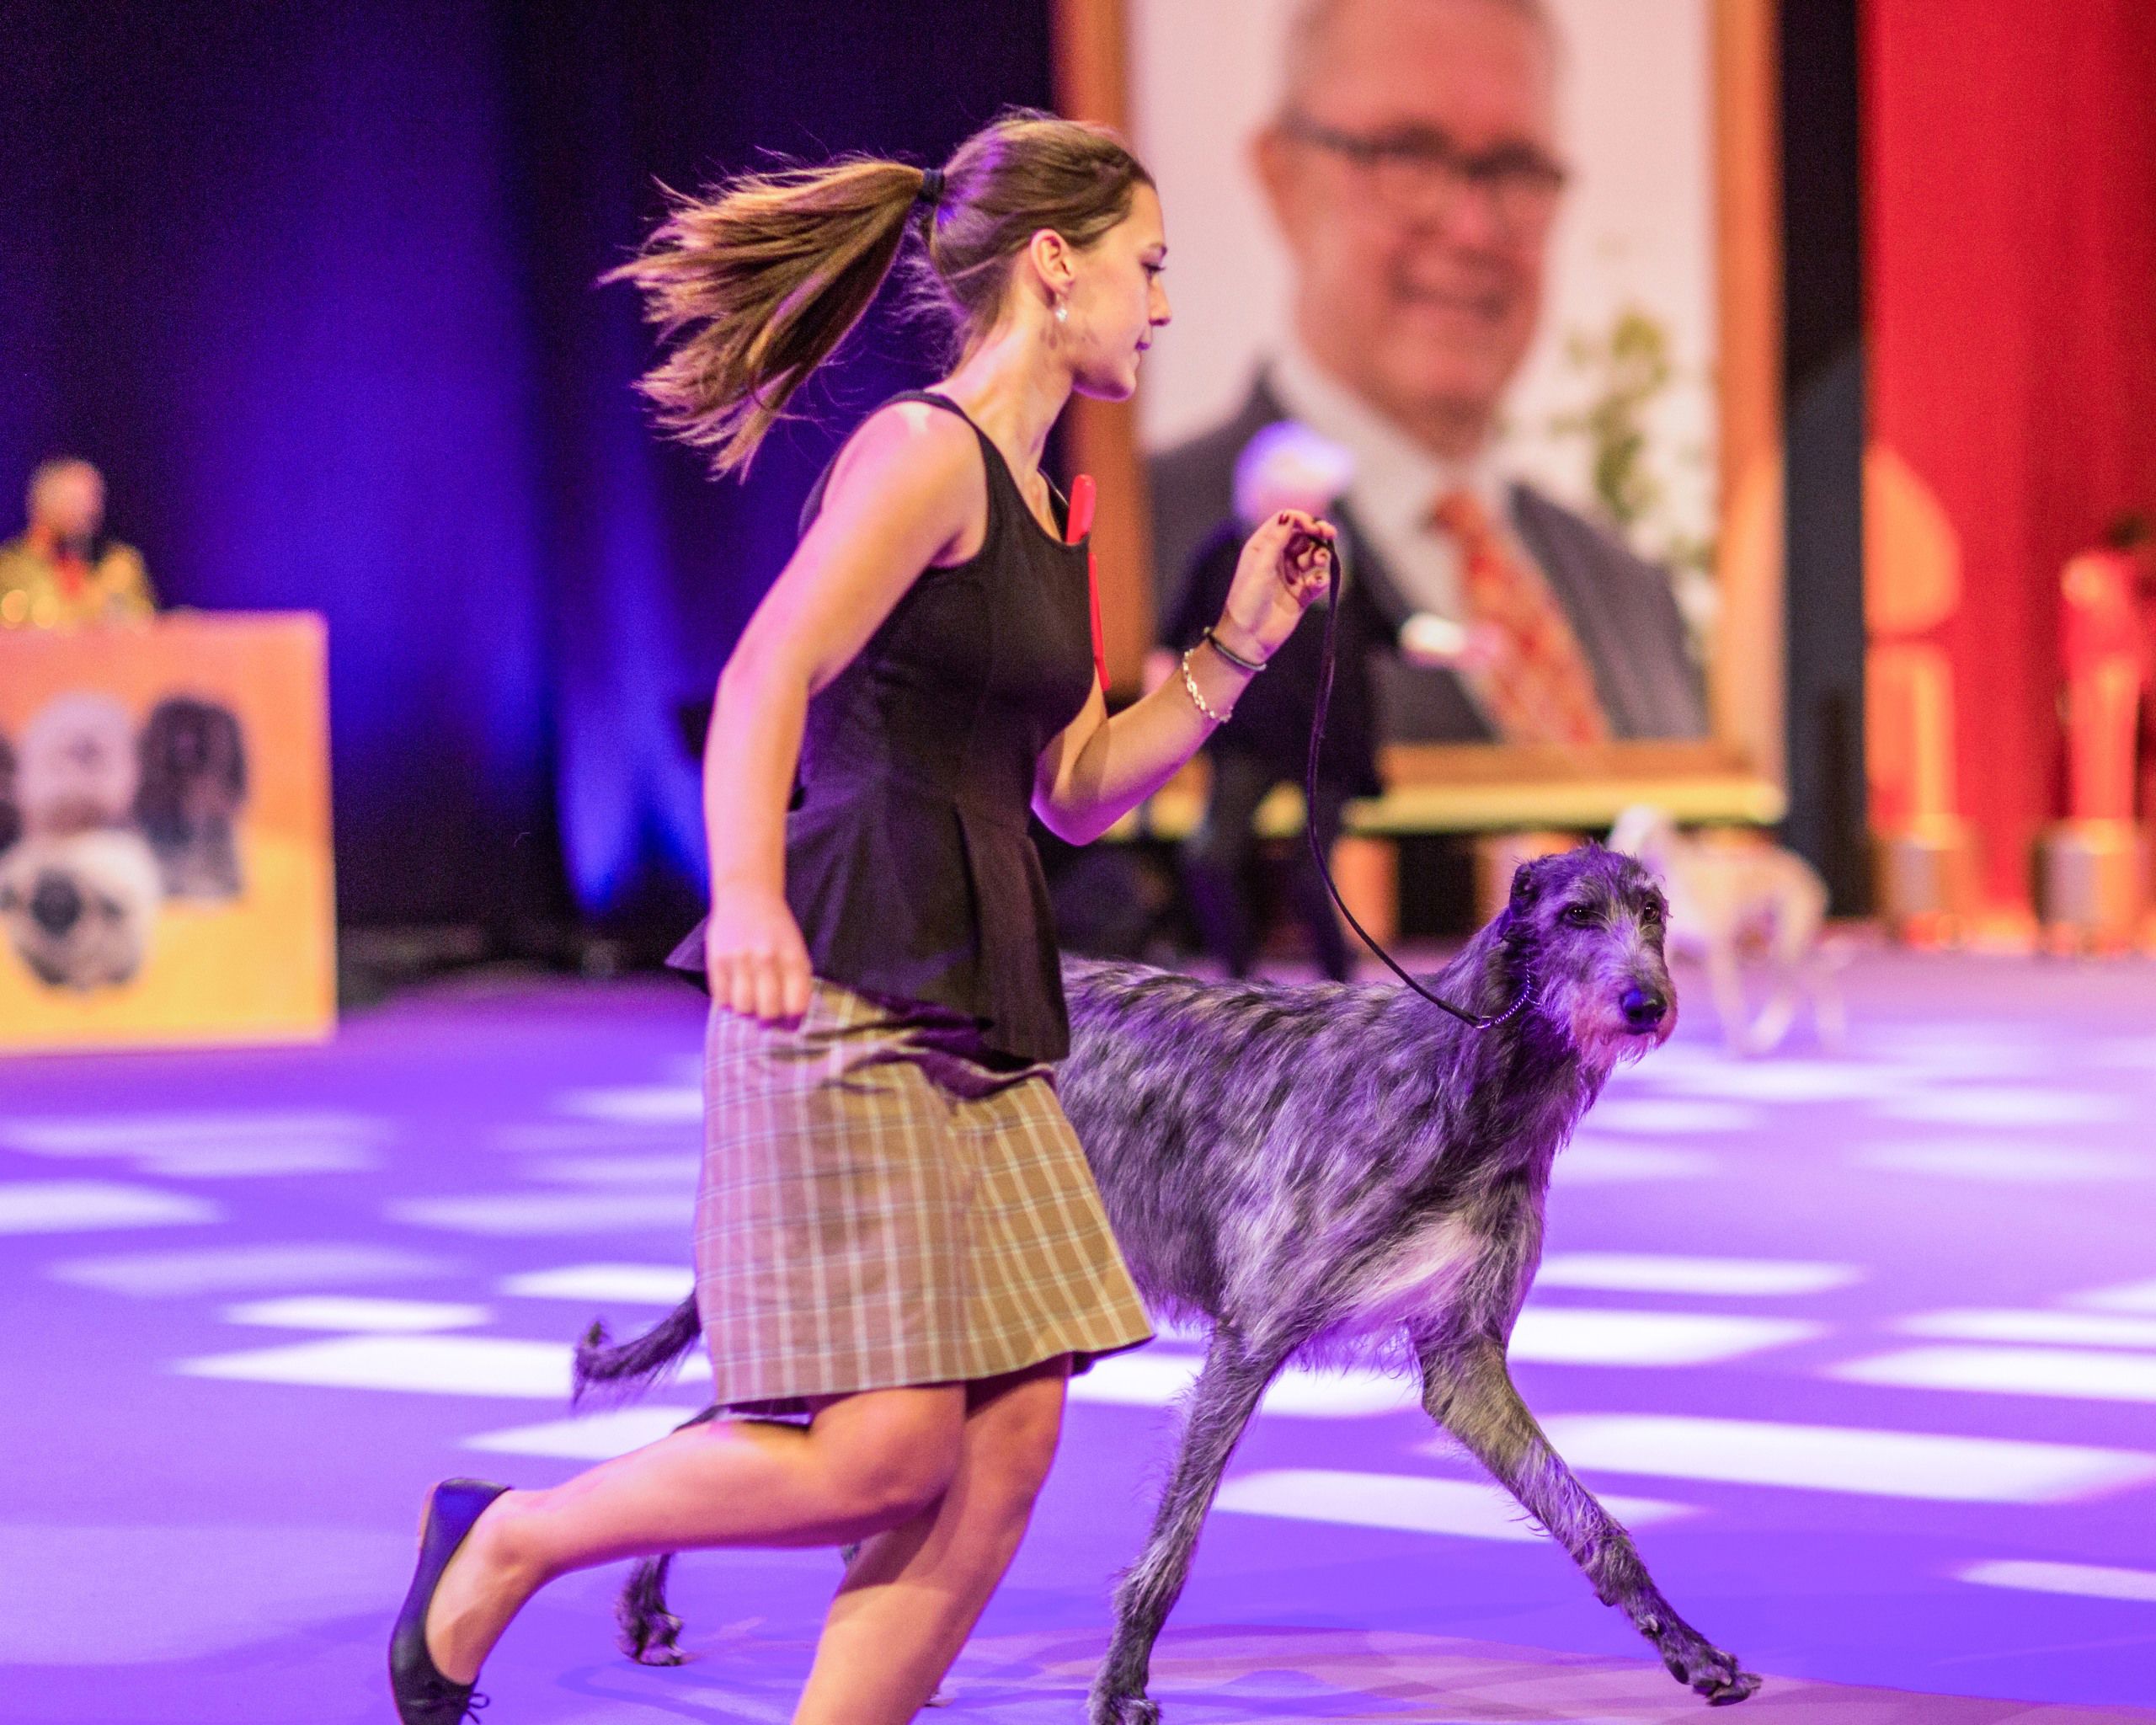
(756, 282)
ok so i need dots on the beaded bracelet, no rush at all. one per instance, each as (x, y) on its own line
(1234, 658)
(1196, 700)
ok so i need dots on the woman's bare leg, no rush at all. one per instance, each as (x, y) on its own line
(866, 1463)
(912, 1596)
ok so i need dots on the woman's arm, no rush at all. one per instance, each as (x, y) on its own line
(1099, 768)
(904, 495)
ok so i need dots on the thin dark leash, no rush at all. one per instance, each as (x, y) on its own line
(1472, 1020)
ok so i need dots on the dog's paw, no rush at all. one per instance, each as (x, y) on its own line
(1706, 1670)
(664, 1652)
(1691, 1658)
(1118, 1707)
(1741, 1687)
(654, 1640)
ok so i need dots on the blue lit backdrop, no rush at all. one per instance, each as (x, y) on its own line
(314, 284)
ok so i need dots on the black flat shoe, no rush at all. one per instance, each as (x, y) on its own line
(423, 1695)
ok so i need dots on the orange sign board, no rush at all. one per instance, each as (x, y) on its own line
(165, 872)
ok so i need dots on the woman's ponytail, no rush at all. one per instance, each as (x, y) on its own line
(760, 280)
(757, 281)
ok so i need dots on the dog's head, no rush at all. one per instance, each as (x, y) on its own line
(77, 769)
(1587, 925)
(79, 908)
(192, 757)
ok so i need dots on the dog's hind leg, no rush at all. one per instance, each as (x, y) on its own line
(1827, 1012)
(1220, 1406)
(1799, 912)
(1469, 1392)
(649, 1633)
(1726, 978)
(1822, 966)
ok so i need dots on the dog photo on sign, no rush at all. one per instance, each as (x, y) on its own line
(102, 823)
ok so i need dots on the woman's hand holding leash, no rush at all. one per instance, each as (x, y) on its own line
(754, 959)
(1284, 568)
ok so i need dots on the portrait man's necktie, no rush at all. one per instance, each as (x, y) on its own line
(1542, 688)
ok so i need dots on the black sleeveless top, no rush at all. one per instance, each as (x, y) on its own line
(908, 863)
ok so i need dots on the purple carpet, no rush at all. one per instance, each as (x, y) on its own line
(1862, 1346)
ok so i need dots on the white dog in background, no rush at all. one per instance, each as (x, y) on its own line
(1725, 896)
(78, 767)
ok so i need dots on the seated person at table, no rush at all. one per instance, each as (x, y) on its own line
(63, 572)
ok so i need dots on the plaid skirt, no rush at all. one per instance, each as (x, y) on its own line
(882, 1204)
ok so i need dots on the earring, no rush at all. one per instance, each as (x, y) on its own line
(1062, 312)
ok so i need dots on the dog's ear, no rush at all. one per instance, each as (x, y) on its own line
(234, 741)
(1525, 886)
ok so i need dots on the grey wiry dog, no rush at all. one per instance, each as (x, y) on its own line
(1323, 1172)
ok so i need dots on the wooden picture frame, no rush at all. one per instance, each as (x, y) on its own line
(1737, 776)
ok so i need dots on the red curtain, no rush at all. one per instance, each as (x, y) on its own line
(2010, 267)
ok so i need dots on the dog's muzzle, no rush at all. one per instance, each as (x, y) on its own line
(1645, 1008)
(57, 905)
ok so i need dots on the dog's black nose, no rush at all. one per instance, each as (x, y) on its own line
(56, 906)
(1643, 1008)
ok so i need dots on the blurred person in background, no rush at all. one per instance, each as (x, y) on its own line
(63, 572)
(1267, 740)
(1414, 172)
(2105, 646)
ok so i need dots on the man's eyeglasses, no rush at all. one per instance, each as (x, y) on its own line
(1422, 172)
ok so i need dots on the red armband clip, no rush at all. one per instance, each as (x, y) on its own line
(1079, 524)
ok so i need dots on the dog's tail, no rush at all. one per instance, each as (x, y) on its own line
(607, 1372)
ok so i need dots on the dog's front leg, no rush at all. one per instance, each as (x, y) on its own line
(1221, 1404)
(1469, 1392)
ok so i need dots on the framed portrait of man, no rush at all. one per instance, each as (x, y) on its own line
(1512, 264)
